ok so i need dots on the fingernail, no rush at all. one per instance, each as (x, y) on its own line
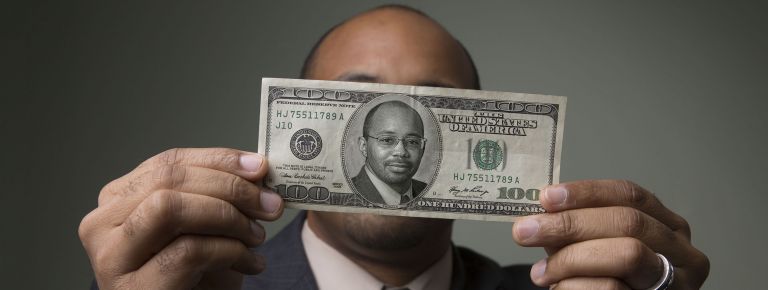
(527, 228)
(556, 195)
(257, 230)
(250, 162)
(270, 201)
(538, 269)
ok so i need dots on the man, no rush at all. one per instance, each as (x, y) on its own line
(185, 218)
(392, 144)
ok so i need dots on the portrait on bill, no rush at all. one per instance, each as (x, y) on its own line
(391, 150)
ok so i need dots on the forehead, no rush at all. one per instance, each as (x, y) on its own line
(396, 119)
(393, 46)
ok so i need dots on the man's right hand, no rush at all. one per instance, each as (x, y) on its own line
(182, 219)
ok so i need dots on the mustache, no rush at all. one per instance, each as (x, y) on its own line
(398, 162)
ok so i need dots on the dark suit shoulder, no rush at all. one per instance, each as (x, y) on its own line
(362, 183)
(518, 277)
(417, 186)
(287, 264)
(480, 270)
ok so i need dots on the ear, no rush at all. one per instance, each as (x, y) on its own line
(363, 144)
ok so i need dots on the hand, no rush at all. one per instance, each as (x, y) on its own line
(182, 219)
(604, 235)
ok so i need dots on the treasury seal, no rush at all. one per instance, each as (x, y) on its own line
(306, 144)
(487, 155)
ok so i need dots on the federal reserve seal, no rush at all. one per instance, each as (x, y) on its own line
(306, 144)
(487, 155)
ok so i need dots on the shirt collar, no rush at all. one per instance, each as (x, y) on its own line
(333, 270)
(390, 195)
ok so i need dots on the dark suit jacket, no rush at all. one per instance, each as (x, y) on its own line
(288, 267)
(364, 185)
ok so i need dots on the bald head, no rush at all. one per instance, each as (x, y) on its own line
(380, 37)
(393, 110)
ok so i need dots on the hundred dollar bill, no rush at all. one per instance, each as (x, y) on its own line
(409, 150)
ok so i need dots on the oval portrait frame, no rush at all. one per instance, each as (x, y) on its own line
(352, 160)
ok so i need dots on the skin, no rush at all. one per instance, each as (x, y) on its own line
(184, 218)
(398, 164)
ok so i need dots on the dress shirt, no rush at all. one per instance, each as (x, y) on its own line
(334, 271)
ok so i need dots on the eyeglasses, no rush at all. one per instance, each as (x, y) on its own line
(410, 142)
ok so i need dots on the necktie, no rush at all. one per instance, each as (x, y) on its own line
(403, 199)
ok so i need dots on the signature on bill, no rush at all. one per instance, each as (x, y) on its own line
(476, 192)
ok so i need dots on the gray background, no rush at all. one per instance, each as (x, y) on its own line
(670, 94)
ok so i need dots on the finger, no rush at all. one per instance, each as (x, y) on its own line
(245, 164)
(556, 230)
(603, 193)
(169, 214)
(590, 283)
(254, 201)
(250, 166)
(182, 264)
(626, 259)
(91, 231)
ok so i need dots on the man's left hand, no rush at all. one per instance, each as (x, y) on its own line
(604, 234)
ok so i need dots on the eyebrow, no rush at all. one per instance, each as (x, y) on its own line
(368, 78)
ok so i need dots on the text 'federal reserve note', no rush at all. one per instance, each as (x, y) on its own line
(409, 150)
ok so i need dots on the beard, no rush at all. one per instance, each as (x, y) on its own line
(387, 233)
(394, 170)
